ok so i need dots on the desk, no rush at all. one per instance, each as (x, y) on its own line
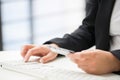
(11, 75)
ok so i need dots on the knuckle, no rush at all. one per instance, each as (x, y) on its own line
(43, 47)
(92, 55)
(82, 55)
(54, 54)
(31, 50)
(25, 46)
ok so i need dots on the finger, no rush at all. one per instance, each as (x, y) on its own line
(76, 55)
(34, 51)
(73, 57)
(25, 49)
(78, 59)
(50, 56)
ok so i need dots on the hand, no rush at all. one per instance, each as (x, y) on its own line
(40, 51)
(96, 61)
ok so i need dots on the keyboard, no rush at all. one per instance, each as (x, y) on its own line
(59, 69)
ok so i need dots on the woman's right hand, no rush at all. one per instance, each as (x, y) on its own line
(41, 51)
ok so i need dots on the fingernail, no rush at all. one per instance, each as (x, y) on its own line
(41, 61)
(25, 60)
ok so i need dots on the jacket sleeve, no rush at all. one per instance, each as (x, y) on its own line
(116, 53)
(83, 37)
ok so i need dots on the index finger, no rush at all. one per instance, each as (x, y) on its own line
(78, 57)
(25, 49)
(36, 51)
(74, 57)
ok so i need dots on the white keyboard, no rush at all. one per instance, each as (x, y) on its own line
(59, 50)
(60, 69)
(42, 71)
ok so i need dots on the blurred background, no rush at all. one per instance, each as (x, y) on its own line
(36, 21)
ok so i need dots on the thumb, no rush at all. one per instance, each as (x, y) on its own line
(70, 55)
(73, 57)
(49, 57)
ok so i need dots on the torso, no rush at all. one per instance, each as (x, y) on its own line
(115, 27)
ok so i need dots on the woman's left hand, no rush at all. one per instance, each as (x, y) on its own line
(96, 61)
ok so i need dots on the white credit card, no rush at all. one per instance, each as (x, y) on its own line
(59, 50)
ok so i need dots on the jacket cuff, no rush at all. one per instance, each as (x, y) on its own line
(118, 72)
(54, 41)
(116, 53)
(59, 42)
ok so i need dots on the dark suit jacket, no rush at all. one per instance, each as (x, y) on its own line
(94, 29)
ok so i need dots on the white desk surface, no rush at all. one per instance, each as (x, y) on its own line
(10, 75)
